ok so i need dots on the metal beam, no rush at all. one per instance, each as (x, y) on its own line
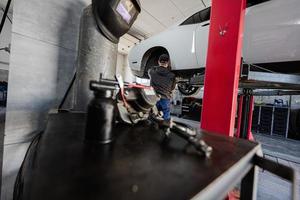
(223, 66)
(274, 77)
(276, 92)
(261, 80)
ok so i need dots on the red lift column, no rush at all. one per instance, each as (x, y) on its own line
(223, 66)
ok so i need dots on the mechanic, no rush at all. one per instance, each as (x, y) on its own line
(163, 81)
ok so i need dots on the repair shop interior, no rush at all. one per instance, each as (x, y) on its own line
(150, 99)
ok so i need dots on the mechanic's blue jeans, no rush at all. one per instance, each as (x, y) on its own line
(164, 106)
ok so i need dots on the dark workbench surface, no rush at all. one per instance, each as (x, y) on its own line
(139, 165)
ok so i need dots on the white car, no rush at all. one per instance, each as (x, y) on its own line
(271, 40)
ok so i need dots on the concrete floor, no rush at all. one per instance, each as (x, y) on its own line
(279, 147)
(281, 150)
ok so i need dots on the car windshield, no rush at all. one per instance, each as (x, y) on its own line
(199, 17)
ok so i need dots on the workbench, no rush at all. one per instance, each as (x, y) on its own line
(140, 164)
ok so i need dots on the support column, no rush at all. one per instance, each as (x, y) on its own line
(223, 66)
(245, 115)
(96, 54)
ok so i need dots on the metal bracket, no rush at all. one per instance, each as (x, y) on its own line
(261, 80)
(280, 170)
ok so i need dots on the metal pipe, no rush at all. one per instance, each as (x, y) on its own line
(240, 111)
(250, 117)
(7, 16)
(4, 15)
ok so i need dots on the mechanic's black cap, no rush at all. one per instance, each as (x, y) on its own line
(164, 58)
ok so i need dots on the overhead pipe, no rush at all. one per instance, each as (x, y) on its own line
(4, 15)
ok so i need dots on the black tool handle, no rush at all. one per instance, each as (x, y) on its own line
(190, 134)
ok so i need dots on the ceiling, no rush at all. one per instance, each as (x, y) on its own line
(158, 15)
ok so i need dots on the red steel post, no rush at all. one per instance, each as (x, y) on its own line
(223, 66)
(249, 133)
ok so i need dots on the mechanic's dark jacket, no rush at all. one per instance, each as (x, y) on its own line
(163, 81)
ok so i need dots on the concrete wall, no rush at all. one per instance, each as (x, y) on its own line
(43, 61)
(3, 75)
(295, 100)
(43, 58)
(5, 39)
(123, 68)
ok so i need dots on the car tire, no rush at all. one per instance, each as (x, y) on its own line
(187, 89)
(153, 60)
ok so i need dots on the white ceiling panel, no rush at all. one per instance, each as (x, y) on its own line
(147, 24)
(188, 5)
(164, 11)
(172, 20)
(158, 15)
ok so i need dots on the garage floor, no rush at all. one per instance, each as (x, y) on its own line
(284, 151)
(280, 150)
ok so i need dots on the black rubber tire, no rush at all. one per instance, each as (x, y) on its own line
(186, 89)
(153, 60)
